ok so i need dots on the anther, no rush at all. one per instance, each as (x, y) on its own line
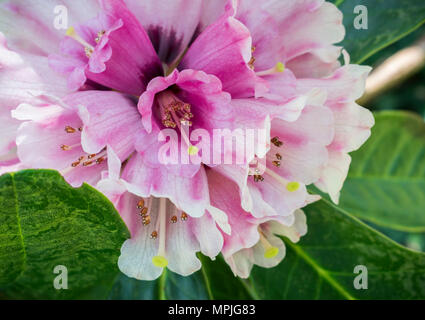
(64, 147)
(99, 36)
(276, 164)
(69, 129)
(146, 220)
(100, 160)
(174, 219)
(141, 204)
(75, 164)
(184, 216)
(258, 178)
(277, 142)
(154, 235)
(278, 156)
(87, 163)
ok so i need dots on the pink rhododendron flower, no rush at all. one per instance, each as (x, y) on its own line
(95, 102)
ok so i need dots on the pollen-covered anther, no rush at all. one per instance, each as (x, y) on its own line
(69, 129)
(75, 164)
(154, 235)
(184, 216)
(252, 61)
(100, 160)
(88, 51)
(146, 220)
(276, 164)
(65, 147)
(100, 34)
(258, 178)
(141, 204)
(174, 219)
(276, 141)
(87, 163)
(278, 156)
(144, 211)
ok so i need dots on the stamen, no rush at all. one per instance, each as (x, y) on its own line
(176, 113)
(69, 129)
(252, 61)
(258, 178)
(174, 219)
(66, 147)
(154, 235)
(270, 251)
(159, 260)
(88, 48)
(276, 141)
(99, 36)
(184, 216)
(141, 204)
(278, 68)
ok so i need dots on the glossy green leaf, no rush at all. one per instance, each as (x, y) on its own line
(386, 182)
(322, 265)
(388, 21)
(44, 223)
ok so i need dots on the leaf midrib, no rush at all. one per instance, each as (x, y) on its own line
(320, 271)
(18, 221)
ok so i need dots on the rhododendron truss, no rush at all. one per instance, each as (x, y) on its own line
(94, 101)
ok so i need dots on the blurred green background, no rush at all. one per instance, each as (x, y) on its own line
(409, 96)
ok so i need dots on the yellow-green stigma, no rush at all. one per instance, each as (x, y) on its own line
(280, 67)
(192, 150)
(271, 252)
(160, 261)
(292, 186)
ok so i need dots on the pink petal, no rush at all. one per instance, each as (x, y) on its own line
(224, 50)
(109, 118)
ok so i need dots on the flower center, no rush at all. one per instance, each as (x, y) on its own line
(174, 114)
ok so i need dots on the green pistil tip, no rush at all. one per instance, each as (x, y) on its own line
(193, 150)
(293, 186)
(271, 253)
(280, 67)
(159, 261)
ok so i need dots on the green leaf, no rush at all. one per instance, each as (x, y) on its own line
(321, 266)
(44, 223)
(386, 182)
(214, 281)
(388, 22)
